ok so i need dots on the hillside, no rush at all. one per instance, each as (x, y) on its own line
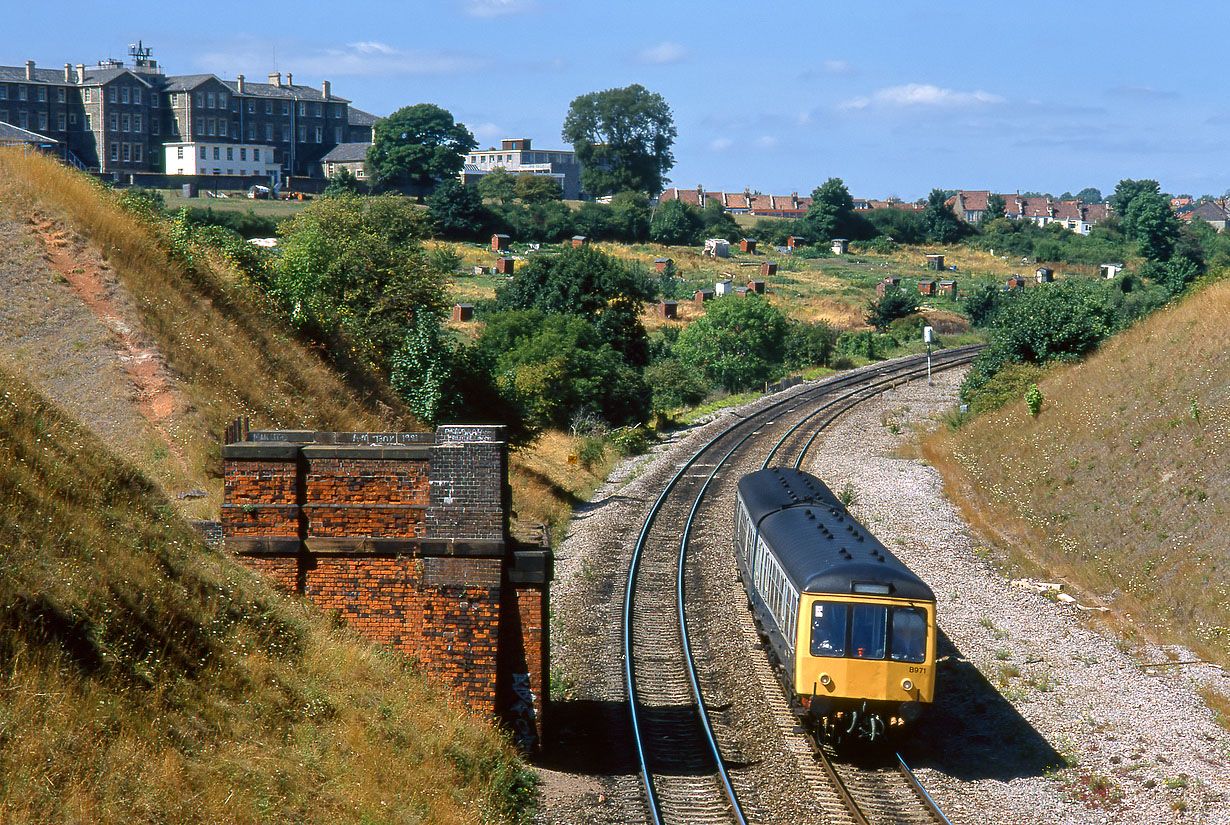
(1121, 484)
(148, 679)
(156, 358)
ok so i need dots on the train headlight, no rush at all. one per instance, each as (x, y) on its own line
(825, 679)
(907, 685)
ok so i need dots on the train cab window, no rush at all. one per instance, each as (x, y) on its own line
(828, 629)
(909, 636)
(868, 623)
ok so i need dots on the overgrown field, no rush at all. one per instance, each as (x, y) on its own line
(1121, 483)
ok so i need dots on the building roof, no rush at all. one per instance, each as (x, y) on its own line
(358, 117)
(1209, 212)
(17, 74)
(346, 153)
(187, 82)
(286, 91)
(10, 134)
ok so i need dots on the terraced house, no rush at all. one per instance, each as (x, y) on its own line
(133, 120)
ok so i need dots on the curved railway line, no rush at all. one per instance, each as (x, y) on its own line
(692, 766)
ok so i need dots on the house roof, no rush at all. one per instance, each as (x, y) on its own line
(10, 134)
(358, 117)
(1209, 212)
(284, 92)
(187, 82)
(17, 74)
(346, 153)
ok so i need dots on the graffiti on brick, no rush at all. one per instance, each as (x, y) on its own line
(521, 715)
(462, 435)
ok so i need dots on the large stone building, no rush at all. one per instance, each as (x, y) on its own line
(517, 157)
(129, 120)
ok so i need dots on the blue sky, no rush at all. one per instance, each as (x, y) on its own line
(893, 97)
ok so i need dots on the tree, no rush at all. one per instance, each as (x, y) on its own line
(1089, 195)
(353, 272)
(739, 343)
(809, 344)
(458, 210)
(831, 214)
(342, 183)
(630, 216)
(623, 140)
(996, 207)
(497, 185)
(716, 222)
(896, 303)
(942, 225)
(532, 188)
(418, 145)
(1146, 217)
(581, 281)
(675, 222)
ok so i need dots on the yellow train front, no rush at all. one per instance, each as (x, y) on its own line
(852, 628)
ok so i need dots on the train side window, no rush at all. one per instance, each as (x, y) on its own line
(828, 629)
(909, 636)
(868, 628)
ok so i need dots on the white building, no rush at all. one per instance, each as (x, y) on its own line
(236, 159)
(516, 157)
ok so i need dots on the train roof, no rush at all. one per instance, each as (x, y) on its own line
(821, 547)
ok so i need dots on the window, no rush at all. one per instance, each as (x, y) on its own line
(204, 153)
(268, 131)
(286, 134)
(256, 154)
(268, 107)
(124, 99)
(316, 109)
(251, 131)
(217, 171)
(222, 127)
(230, 153)
(42, 94)
(868, 625)
(136, 152)
(112, 96)
(115, 122)
(21, 92)
(42, 120)
(136, 95)
(200, 126)
(221, 100)
(89, 121)
(62, 122)
(230, 171)
(337, 134)
(125, 123)
(4, 92)
(211, 101)
(303, 134)
(115, 151)
(155, 125)
(251, 107)
(217, 153)
(909, 635)
(243, 153)
(153, 99)
(319, 134)
(60, 92)
(136, 123)
(179, 153)
(286, 107)
(302, 109)
(24, 120)
(200, 100)
(89, 94)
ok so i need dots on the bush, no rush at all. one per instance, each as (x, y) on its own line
(674, 385)
(809, 344)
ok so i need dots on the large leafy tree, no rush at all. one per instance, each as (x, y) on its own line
(738, 344)
(418, 145)
(676, 222)
(1147, 218)
(353, 273)
(458, 210)
(942, 225)
(623, 139)
(831, 214)
(996, 208)
(498, 185)
(897, 303)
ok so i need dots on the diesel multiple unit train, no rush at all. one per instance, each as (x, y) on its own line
(850, 627)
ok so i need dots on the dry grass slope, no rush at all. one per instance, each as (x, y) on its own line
(146, 679)
(1122, 481)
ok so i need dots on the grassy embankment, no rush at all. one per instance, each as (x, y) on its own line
(147, 679)
(1121, 485)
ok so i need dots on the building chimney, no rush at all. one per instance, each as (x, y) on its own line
(81, 73)
(275, 79)
(239, 84)
(68, 72)
(29, 70)
(325, 89)
(290, 79)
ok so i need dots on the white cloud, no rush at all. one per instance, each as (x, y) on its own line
(366, 58)
(920, 95)
(766, 142)
(837, 67)
(496, 8)
(662, 54)
(721, 144)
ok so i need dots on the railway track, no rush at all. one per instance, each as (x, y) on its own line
(692, 766)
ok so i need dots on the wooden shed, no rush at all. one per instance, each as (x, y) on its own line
(1109, 271)
(578, 241)
(1016, 282)
(742, 292)
(463, 312)
(702, 295)
(768, 269)
(723, 287)
(668, 310)
(795, 240)
(499, 243)
(661, 264)
(504, 266)
(482, 270)
(935, 262)
(1044, 275)
(840, 246)
(949, 288)
(747, 245)
(756, 286)
(927, 287)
